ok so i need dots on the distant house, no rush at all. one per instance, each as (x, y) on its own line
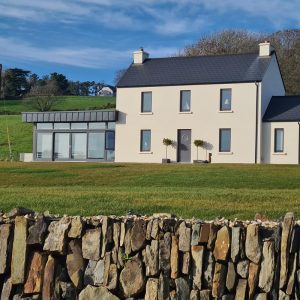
(106, 91)
(235, 103)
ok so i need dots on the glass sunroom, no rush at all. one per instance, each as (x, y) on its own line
(73, 135)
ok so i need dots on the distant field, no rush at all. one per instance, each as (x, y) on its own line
(200, 191)
(65, 103)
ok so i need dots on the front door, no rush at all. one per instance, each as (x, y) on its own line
(184, 145)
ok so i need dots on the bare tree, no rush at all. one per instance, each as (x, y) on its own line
(43, 97)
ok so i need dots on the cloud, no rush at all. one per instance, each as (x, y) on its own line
(85, 57)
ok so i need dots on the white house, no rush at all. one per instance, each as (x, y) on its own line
(219, 99)
(235, 103)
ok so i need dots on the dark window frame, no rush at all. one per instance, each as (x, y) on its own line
(142, 102)
(221, 100)
(106, 134)
(275, 140)
(220, 139)
(180, 104)
(141, 140)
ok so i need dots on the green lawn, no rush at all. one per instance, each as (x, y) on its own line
(65, 103)
(200, 191)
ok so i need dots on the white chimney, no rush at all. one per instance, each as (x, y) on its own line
(139, 56)
(265, 49)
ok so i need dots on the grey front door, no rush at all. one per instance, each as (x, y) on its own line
(184, 145)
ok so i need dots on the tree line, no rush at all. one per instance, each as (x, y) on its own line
(18, 83)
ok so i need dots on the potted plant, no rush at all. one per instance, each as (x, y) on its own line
(198, 143)
(167, 142)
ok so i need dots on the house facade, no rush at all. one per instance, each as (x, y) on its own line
(236, 104)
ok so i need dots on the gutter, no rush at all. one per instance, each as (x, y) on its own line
(256, 121)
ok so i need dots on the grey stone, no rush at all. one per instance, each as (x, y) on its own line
(76, 228)
(151, 289)
(261, 296)
(235, 243)
(231, 277)
(174, 257)
(68, 291)
(213, 229)
(283, 296)
(253, 247)
(186, 261)
(252, 279)
(184, 232)
(6, 289)
(287, 226)
(91, 293)
(243, 268)
(37, 232)
(194, 295)
(208, 269)
(182, 288)
(197, 265)
(195, 234)
(97, 273)
(154, 229)
(165, 253)
(56, 239)
(228, 297)
(148, 230)
(292, 274)
(91, 244)
(89, 277)
(19, 251)
(151, 259)
(164, 287)
(112, 282)
(107, 234)
(5, 246)
(19, 211)
(138, 235)
(267, 270)
(205, 295)
(132, 279)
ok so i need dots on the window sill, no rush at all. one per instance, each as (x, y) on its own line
(225, 153)
(279, 153)
(146, 113)
(145, 152)
(226, 111)
(185, 112)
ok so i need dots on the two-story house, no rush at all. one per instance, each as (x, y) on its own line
(220, 99)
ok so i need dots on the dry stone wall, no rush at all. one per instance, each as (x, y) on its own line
(153, 258)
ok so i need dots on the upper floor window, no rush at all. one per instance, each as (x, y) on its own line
(185, 101)
(225, 140)
(145, 140)
(279, 140)
(225, 100)
(146, 102)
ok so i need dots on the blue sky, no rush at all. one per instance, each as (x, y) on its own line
(91, 39)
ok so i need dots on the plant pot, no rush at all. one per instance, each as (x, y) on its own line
(166, 161)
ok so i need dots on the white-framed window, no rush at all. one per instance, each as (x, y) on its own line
(225, 100)
(145, 145)
(224, 140)
(278, 140)
(146, 104)
(185, 101)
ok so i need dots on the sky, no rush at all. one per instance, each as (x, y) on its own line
(92, 39)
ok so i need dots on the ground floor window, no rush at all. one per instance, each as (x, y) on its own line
(75, 143)
(145, 140)
(225, 140)
(279, 140)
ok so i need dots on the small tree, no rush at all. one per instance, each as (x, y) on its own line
(167, 142)
(198, 143)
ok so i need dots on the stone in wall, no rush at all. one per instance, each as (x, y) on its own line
(219, 280)
(184, 232)
(138, 235)
(174, 257)
(151, 259)
(91, 244)
(37, 232)
(19, 251)
(197, 264)
(76, 228)
(253, 247)
(5, 246)
(222, 244)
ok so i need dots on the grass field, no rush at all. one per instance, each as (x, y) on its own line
(200, 191)
(65, 103)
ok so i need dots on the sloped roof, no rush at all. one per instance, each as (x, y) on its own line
(283, 109)
(196, 70)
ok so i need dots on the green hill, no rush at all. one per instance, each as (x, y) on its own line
(21, 133)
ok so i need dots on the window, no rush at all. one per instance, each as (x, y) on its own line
(44, 145)
(225, 140)
(145, 140)
(110, 140)
(225, 102)
(61, 146)
(61, 125)
(185, 101)
(146, 102)
(279, 140)
(44, 126)
(79, 146)
(96, 145)
(100, 125)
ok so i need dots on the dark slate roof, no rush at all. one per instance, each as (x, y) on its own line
(196, 70)
(283, 109)
(70, 116)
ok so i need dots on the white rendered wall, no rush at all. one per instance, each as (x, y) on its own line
(204, 121)
(290, 154)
